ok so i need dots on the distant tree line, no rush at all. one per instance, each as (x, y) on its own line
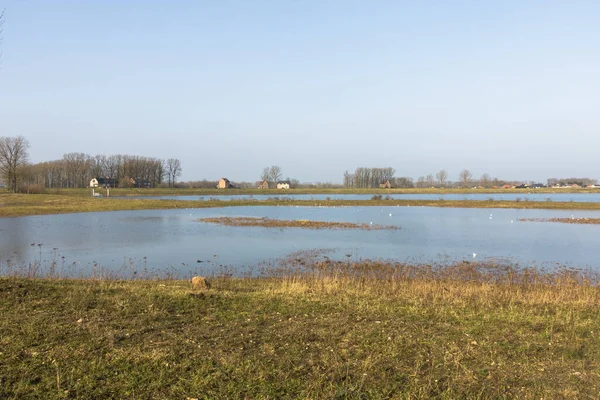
(75, 170)
(571, 181)
(364, 178)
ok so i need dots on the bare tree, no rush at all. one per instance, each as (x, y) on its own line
(442, 176)
(275, 173)
(465, 177)
(13, 156)
(430, 181)
(173, 170)
(403, 182)
(266, 174)
(348, 177)
(485, 180)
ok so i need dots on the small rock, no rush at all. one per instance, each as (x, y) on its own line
(200, 282)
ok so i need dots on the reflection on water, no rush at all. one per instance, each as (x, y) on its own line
(173, 240)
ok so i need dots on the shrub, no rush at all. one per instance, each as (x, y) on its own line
(33, 189)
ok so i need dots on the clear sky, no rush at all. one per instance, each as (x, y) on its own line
(510, 88)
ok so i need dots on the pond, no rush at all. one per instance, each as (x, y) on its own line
(525, 196)
(174, 242)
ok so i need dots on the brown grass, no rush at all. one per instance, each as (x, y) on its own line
(12, 205)
(324, 330)
(302, 223)
(578, 220)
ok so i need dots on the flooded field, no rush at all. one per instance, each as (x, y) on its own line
(174, 242)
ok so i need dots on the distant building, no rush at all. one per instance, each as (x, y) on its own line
(107, 182)
(142, 183)
(263, 185)
(283, 185)
(94, 183)
(385, 185)
(224, 183)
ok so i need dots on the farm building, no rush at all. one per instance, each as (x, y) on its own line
(283, 185)
(224, 183)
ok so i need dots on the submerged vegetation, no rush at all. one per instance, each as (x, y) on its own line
(311, 328)
(301, 223)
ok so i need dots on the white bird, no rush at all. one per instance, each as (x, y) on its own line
(371, 222)
(474, 255)
(390, 214)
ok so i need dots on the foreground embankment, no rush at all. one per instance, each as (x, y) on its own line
(13, 205)
(334, 330)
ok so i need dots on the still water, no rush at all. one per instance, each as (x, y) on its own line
(525, 196)
(173, 240)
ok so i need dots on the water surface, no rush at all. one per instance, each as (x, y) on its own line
(173, 240)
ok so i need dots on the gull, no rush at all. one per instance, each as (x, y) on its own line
(390, 214)
(474, 255)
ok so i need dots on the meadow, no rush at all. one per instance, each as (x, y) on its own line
(315, 329)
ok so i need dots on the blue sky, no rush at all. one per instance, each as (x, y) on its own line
(508, 88)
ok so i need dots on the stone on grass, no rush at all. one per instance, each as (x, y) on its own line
(200, 282)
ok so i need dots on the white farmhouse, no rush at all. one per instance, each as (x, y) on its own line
(283, 185)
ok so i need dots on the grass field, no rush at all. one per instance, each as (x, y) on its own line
(86, 192)
(12, 205)
(337, 331)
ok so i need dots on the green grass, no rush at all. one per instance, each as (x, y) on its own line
(349, 334)
(12, 205)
